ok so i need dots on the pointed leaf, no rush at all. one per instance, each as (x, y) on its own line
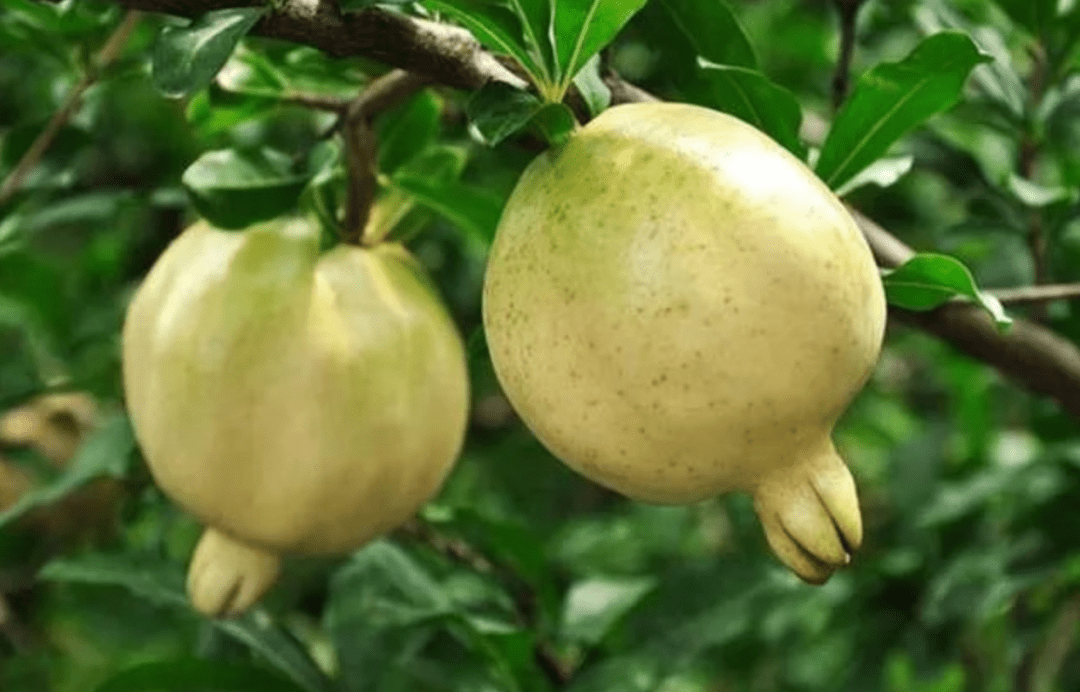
(891, 99)
(406, 131)
(597, 95)
(474, 210)
(751, 97)
(883, 173)
(713, 30)
(536, 17)
(499, 110)
(234, 189)
(928, 280)
(582, 27)
(186, 59)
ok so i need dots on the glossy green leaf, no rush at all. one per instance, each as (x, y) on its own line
(181, 675)
(998, 79)
(474, 210)
(186, 59)
(106, 453)
(591, 86)
(928, 280)
(891, 99)
(499, 110)
(883, 173)
(713, 30)
(753, 98)
(594, 606)
(555, 122)
(234, 189)
(582, 27)
(406, 131)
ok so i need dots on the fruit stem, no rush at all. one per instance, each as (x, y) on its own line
(360, 155)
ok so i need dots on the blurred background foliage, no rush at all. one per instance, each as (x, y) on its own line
(521, 575)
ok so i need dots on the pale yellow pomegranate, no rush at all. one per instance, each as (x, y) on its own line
(295, 403)
(677, 307)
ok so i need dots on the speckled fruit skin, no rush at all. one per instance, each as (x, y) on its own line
(677, 307)
(294, 403)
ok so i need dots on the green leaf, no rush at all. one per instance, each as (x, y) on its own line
(883, 173)
(406, 131)
(1033, 194)
(181, 675)
(891, 99)
(162, 582)
(582, 27)
(998, 78)
(105, 453)
(499, 110)
(753, 98)
(497, 28)
(474, 210)
(592, 88)
(186, 59)
(928, 280)
(536, 17)
(555, 122)
(234, 189)
(713, 30)
(594, 606)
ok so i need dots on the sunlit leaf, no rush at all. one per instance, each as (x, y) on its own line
(928, 280)
(891, 99)
(186, 59)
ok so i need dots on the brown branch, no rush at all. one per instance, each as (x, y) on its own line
(106, 55)
(1028, 353)
(445, 54)
(1031, 355)
(1036, 294)
(848, 11)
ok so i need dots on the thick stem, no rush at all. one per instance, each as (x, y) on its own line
(227, 576)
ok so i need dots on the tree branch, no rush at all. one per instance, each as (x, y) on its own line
(1031, 355)
(108, 53)
(445, 54)
(848, 10)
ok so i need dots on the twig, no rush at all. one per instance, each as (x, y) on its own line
(386, 92)
(1036, 294)
(361, 149)
(1028, 353)
(108, 53)
(848, 10)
